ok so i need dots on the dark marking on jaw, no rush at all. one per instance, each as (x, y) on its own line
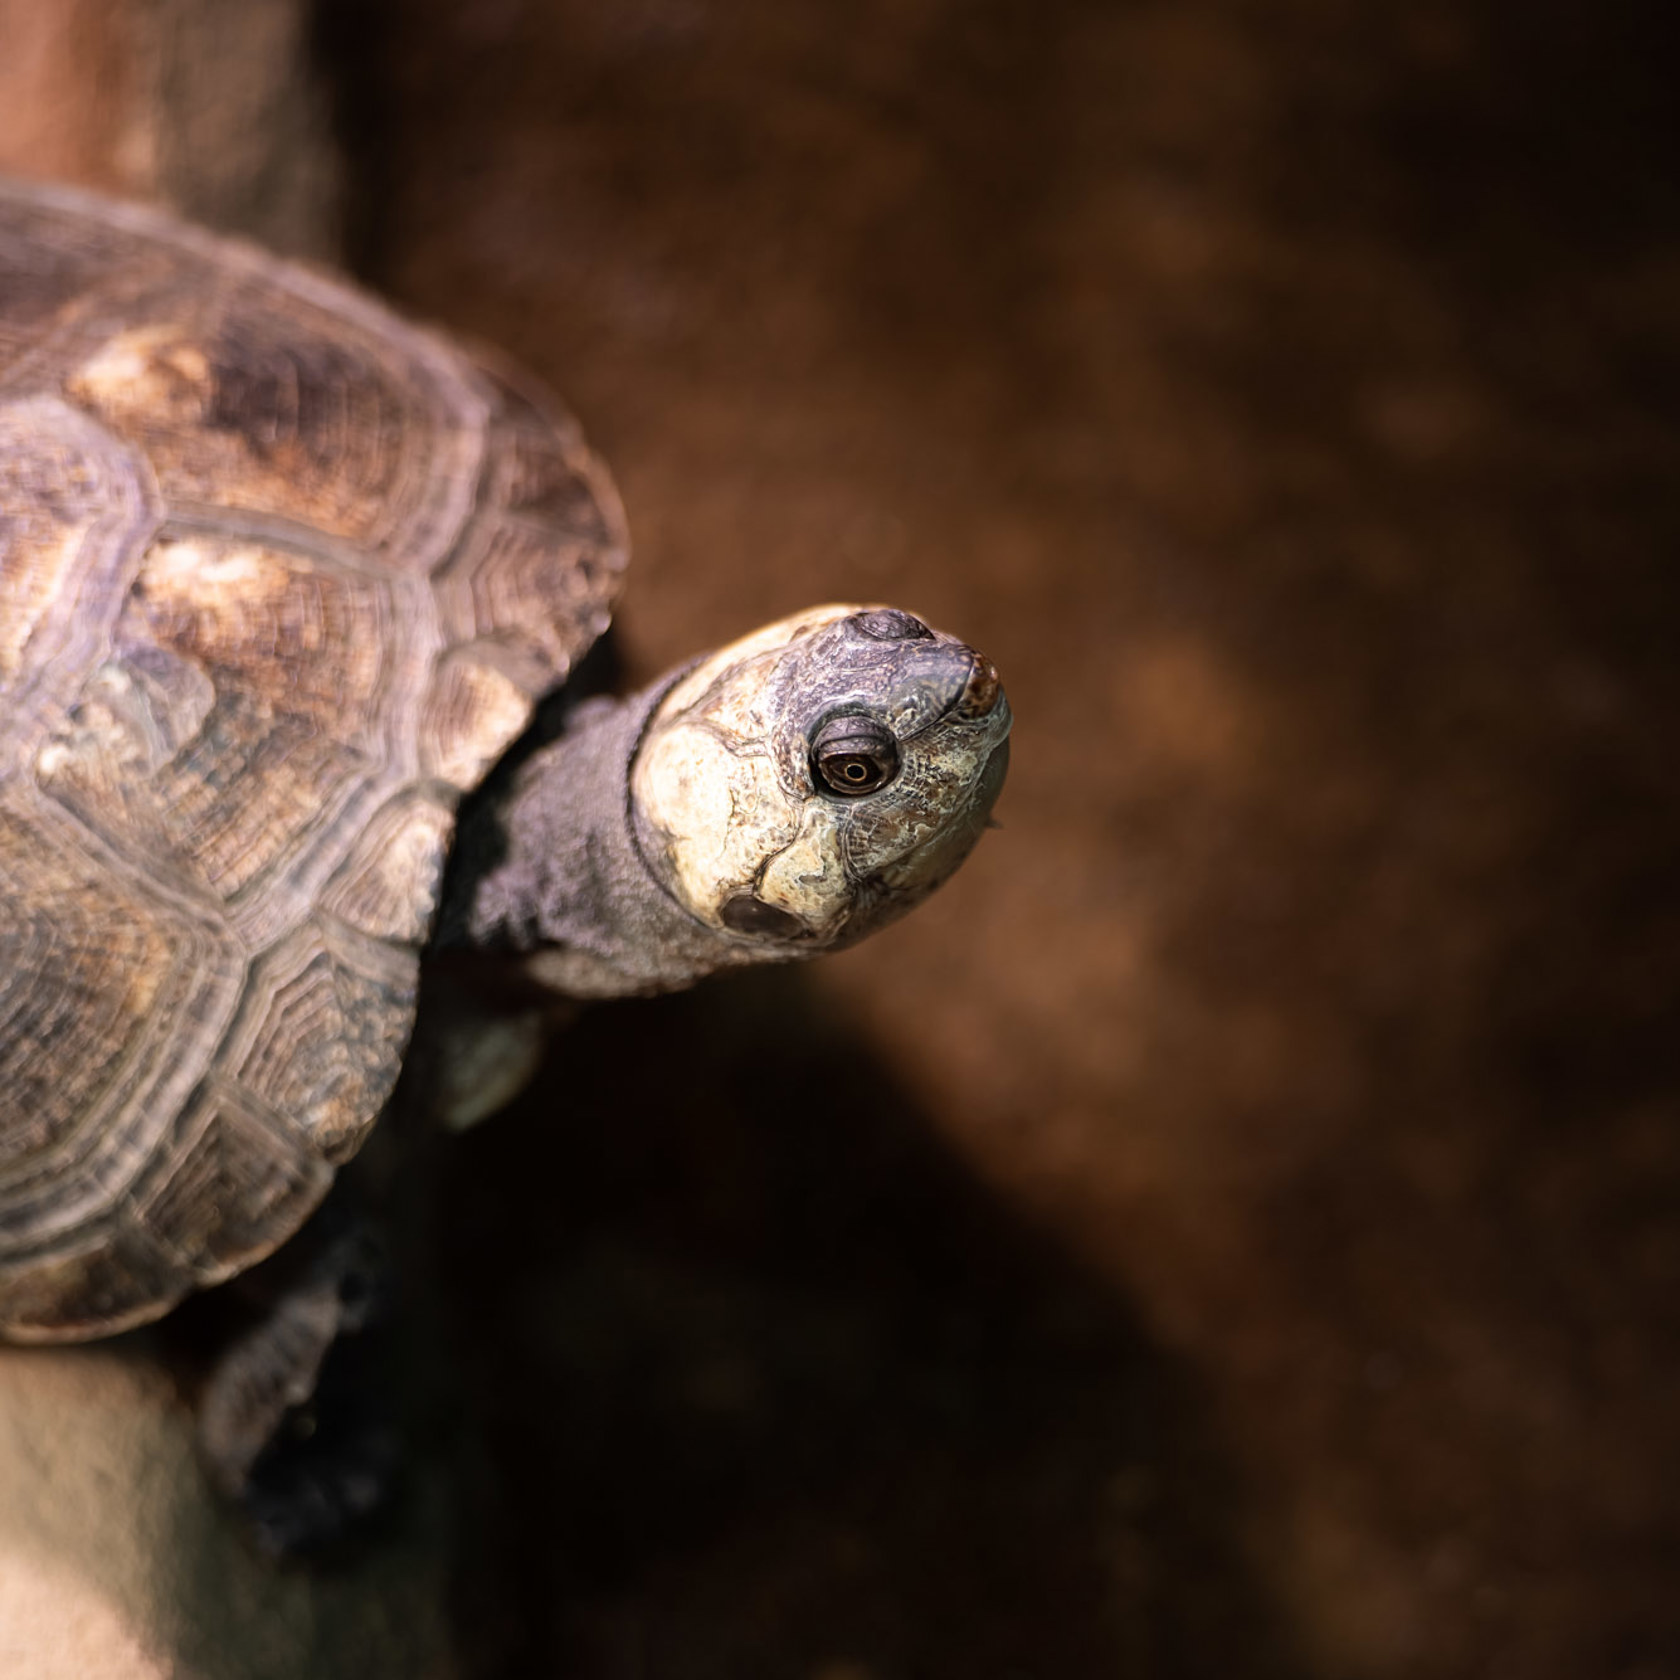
(746, 914)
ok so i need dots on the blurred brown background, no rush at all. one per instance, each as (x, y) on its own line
(1233, 1231)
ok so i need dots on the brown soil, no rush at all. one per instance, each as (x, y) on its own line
(1233, 1231)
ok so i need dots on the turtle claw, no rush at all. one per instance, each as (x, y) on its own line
(316, 1488)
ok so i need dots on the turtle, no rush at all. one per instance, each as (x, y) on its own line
(284, 580)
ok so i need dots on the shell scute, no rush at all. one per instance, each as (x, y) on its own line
(116, 1274)
(534, 574)
(321, 1038)
(262, 403)
(76, 509)
(394, 870)
(52, 267)
(103, 974)
(299, 659)
(473, 713)
(233, 1184)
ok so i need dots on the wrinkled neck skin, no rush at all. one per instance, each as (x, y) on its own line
(551, 877)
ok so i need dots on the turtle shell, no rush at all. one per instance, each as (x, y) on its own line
(280, 577)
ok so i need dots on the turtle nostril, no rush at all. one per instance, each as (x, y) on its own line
(891, 624)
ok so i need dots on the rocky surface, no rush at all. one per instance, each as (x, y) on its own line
(116, 1563)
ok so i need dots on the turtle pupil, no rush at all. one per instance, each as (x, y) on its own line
(860, 774)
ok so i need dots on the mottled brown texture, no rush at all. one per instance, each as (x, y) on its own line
(254, 532)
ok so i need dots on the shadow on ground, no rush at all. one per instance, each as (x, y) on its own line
(769, 1384)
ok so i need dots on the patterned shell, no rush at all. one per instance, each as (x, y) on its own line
(280, 577)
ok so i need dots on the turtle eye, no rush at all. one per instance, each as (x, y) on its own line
(853, 755)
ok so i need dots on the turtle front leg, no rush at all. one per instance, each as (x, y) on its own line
(478, 1042)
(299, 1419)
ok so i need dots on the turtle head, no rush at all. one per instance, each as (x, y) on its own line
(806, 785)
